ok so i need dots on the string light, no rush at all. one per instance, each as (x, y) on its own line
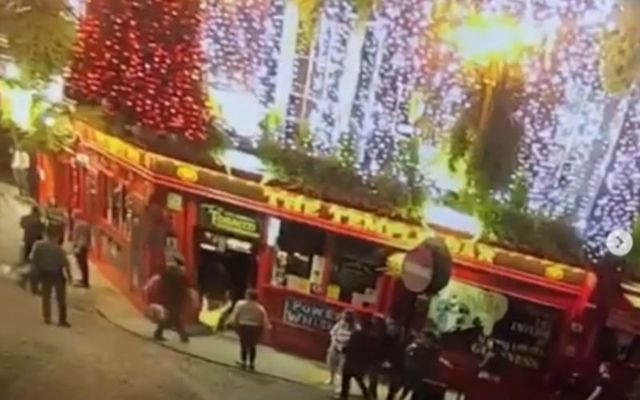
(143, 59)
(409, 82)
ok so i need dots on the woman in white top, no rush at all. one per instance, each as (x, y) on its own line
(250, 320)
(340, 335)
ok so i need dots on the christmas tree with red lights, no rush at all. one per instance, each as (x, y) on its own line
(143, 59)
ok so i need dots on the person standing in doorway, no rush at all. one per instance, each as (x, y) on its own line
(340, 335)
(32, 231)
(250, 320)
(81, 246)
(20, 164)
(356, 362)
(51, 265)
(175, 291)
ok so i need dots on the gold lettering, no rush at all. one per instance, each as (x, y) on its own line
(468, 249)
(485, 253)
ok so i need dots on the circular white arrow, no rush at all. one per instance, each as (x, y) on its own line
(619, 242)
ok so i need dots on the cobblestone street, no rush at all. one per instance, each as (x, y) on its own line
(95, 360)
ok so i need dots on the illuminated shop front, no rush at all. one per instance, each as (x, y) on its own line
(311, 259)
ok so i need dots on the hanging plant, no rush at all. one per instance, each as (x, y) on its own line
(364, 9)
(620, 60)
(308, 16)
(39, 38)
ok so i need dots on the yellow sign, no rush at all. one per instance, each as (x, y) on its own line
(187, 174)
(470, 249)
(396, 232)
(114, 146)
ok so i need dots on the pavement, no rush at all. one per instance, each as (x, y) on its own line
(104, 299)
(104, 357)
(221, 349)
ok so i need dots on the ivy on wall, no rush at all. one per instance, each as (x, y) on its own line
(335, 178)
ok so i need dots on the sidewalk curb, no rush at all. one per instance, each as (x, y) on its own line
(189, 354)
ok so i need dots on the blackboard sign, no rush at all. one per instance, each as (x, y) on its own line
(309, 315)
(475, 320)
(525, 334)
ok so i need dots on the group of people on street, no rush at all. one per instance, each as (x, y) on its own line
(169, 291)
(48, 269)
(375, 348)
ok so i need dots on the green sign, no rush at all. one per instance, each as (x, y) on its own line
(224, 220)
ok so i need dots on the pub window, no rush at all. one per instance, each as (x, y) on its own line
(355, 269)
(300, 259)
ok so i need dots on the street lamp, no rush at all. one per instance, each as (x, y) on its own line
(489, 44)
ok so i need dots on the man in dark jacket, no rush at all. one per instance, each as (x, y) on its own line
(51, 265)
(421, 359)
(394, 345)
(81, 246)
(32, 231)
(377, 353)
(175, 289)
(356, 361)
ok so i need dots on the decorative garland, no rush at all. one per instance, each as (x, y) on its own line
(334, 178)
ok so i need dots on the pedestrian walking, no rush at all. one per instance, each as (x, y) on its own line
(174, 289)
(32, 231)
(81, 246)
(250, 320)
(377, 353)
(340, 335)
(394, 345)
(421, 359)
(51, 265)
(605, 388)
(20, 164)
(356, 362)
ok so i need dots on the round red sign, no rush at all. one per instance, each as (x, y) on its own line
(417, 269)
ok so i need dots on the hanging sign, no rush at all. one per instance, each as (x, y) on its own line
(222, 219)
(417, 269)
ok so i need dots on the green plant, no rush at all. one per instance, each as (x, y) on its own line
(348, 150)
(632, 260)
(39, 36)
(308, 15)
(327, 177)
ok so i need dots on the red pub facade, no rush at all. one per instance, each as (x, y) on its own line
(309, 259)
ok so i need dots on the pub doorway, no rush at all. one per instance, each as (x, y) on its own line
(226, 266)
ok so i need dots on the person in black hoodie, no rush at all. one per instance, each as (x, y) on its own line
(421, 359)
(394, 345)
(175, 289)
(356, 361)
(377, 353)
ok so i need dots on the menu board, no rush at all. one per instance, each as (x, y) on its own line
(479, 321)
(309, 315)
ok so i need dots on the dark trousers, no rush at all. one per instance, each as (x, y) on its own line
(28, 246)
(58, 285)
(249, 338)
(374, 379)
(172, 320)
(82, 258)
(347, 375)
